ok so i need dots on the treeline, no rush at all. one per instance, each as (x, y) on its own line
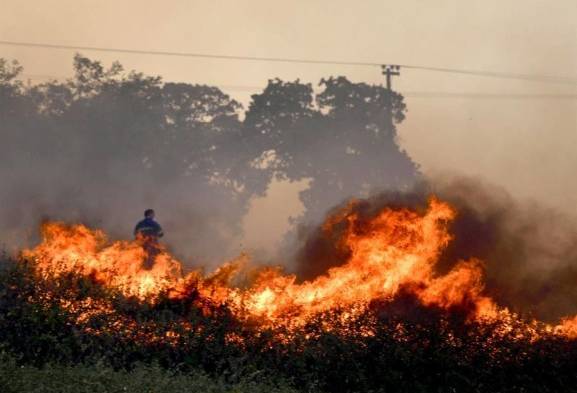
(106, 143)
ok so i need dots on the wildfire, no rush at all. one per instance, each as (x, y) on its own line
(78, 249)
(394, 251)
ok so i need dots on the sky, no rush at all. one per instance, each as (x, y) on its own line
(525, 144)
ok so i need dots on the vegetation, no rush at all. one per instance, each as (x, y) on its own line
(413, 349)
(97, 378)
(126, 140)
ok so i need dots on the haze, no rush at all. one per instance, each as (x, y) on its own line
(526, 145)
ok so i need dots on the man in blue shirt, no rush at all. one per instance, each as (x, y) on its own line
(148, 232)
(148, 227)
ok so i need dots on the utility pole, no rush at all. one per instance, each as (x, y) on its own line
(390, 70)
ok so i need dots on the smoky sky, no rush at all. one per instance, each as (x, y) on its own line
(525, 145)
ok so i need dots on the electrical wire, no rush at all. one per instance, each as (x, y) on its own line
(490, 74)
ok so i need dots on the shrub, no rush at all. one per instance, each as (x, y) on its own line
(412, 348)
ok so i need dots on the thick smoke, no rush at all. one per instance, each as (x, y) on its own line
(530, 252)
(105, 145)
(102, 147)
(197, 223)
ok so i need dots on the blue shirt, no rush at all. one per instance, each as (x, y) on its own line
(148, 227)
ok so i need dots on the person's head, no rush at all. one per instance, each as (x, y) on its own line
(149, 213)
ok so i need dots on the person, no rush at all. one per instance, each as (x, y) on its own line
(148, 231)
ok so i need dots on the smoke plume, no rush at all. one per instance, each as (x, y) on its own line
(529, 252)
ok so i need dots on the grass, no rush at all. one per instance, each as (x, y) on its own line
(98, 378)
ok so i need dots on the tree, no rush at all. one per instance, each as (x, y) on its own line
(343, 140)
(105, 141)
(105, 144)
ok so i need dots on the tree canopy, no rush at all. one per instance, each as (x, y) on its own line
(106, 140)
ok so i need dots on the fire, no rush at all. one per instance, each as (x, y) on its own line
(567, 327)
(394, 251)
(78, 249)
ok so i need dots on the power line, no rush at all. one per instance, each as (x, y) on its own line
(490, 74)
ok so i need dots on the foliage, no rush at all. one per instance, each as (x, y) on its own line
(126, 139)
(343, 139)
(413, 348)
(97, 378)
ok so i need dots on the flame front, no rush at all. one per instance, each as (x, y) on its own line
(392, 252)
(395, 249)
(77, 249)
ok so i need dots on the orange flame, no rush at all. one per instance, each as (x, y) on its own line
(394, 250)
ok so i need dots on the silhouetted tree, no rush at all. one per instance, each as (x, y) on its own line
(344, 139)
(105, 144)
(95, 146)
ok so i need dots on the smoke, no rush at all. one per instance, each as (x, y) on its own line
(105, 145)
(59, 175)
(197, 223)
(529, 252)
